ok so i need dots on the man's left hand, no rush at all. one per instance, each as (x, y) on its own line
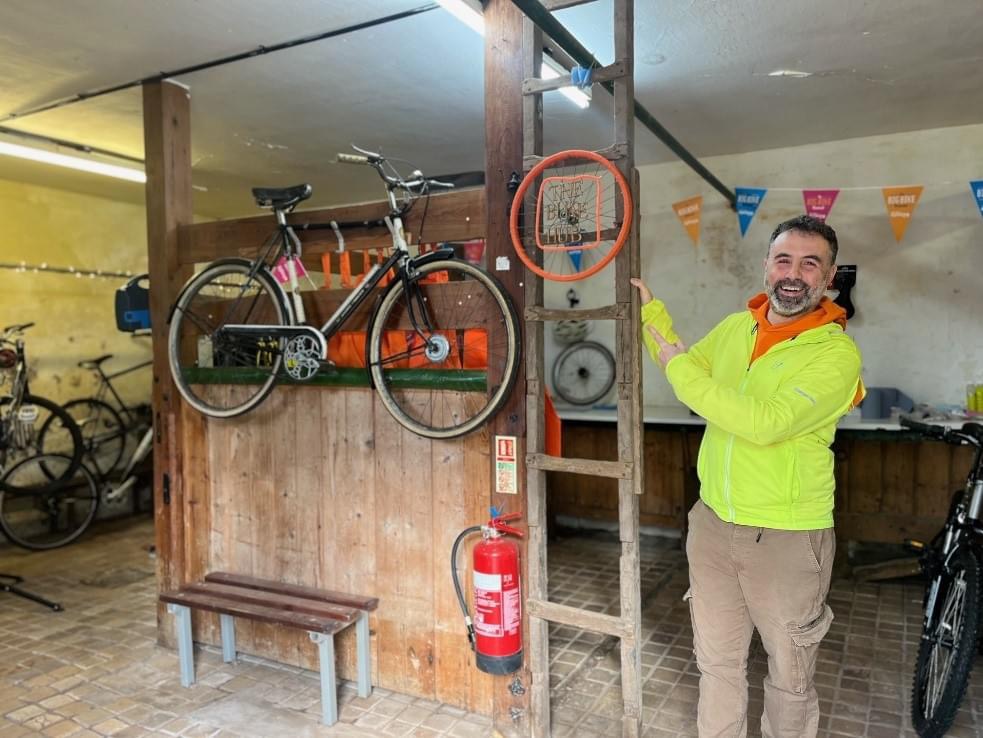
(667, 351)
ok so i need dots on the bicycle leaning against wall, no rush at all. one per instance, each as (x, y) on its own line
(951, 623)
(442, 323)
(23, 415)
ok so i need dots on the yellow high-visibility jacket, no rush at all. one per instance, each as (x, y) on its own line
(765, 459)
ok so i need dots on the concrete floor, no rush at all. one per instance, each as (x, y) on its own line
(95, 669)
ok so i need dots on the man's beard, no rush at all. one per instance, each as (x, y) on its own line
(797, 304)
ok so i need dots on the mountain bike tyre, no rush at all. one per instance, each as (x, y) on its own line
(934, 706)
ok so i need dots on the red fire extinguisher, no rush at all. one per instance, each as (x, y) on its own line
(495, 632)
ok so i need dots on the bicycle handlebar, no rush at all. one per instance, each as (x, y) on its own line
(418, 185)
(11, 330)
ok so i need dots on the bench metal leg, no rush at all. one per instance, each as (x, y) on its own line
(363, 655)
(228, 625)
(329, 686)
(185, 646)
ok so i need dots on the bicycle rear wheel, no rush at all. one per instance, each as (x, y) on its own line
(37, 426)
(39, 514)
(103, 434)
(583, 373)
(570, 216)
(449, 377)
(205, 357)
(948, 646)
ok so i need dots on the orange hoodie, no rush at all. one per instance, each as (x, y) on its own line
(767, 335)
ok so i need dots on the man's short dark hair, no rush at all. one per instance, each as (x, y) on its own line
(807, 224)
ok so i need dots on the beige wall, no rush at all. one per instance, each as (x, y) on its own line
(74, 317)
(919, 303)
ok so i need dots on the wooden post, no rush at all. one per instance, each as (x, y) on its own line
(503, 156)
(167, 145)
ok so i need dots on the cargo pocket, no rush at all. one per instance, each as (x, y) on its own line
(805, 648)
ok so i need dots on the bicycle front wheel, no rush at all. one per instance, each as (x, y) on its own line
(103, 434)
(947, 646)
(444, 349)
(583, 373)
(38, 426)
(219, 371)
(39, 514)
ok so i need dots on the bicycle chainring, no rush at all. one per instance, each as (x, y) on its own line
(302, 357)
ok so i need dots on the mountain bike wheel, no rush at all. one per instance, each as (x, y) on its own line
(38, 426)
(947, 648)
(578, 213)
(204, 359)
(38, 514)
(583, 373)
(103, 434)
(455, 373)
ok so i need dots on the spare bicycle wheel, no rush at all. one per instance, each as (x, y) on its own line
(583, 373)
(570, 216)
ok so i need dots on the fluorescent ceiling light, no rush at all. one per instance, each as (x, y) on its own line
(794, 73)
(72, 162)
(551, 70)
(467, 12)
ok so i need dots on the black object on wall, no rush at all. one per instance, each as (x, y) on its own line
(845, 279)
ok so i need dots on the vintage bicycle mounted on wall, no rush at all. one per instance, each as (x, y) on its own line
(441, 323)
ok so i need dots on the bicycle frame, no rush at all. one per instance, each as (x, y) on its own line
(106, 385)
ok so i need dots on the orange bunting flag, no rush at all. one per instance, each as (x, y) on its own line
(901, 202)
(688, 212)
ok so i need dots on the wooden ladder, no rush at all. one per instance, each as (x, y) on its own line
(628, 469)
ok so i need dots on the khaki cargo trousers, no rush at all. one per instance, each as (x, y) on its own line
(776, 581)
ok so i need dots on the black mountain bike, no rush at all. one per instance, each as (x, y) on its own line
(441, 324)
(23, 415)
(951, 625)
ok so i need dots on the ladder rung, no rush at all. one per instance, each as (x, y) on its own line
(537, 86)
(577, 617)
(615, 152)
(618, 311)
(588, 467)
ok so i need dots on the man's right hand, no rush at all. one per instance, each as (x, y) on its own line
(644, 293)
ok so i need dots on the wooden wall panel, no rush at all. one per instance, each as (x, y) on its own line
(889, 486)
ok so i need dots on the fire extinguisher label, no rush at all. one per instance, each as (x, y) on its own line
(488, 604)
(511, 615)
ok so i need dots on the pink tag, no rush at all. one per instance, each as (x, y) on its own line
(281, 273)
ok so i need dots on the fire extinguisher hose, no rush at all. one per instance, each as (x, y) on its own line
(457, 584)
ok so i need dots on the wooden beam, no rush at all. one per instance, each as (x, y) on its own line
(451, 216)
(503, 156)
(167, 146)
(589, 467)
(537, 85)
(607, 312)
(578, 617)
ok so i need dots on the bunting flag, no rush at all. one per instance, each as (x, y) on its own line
(748, 200)
(819, 202)
(576, 255)
(901, 202)
(977, 187)
(688, 212)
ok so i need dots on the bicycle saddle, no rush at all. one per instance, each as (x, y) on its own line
(973, 429)
(94, 363)
(281, 198)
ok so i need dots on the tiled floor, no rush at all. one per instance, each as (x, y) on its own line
(95, 669)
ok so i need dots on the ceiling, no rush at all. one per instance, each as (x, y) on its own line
(414, 87)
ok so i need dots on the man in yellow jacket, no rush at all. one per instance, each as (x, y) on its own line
(771, 381)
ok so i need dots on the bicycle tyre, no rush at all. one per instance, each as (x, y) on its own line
(103, 434)
(442, 416)
(241, 367)
(577, 369)
(26, 509)
(71, 446)
(934, 703)
(524, 239)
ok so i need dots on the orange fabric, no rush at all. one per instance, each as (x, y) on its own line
(554, 429)
(347, 348)
(475, 348)
(326, 268)
(768, 335)
(345, 268)
(366, 262)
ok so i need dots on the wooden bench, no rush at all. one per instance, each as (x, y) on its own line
(320, 612)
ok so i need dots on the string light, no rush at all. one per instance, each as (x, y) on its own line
(23, 267)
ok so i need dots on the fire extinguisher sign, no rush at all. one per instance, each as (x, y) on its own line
(506, 473)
